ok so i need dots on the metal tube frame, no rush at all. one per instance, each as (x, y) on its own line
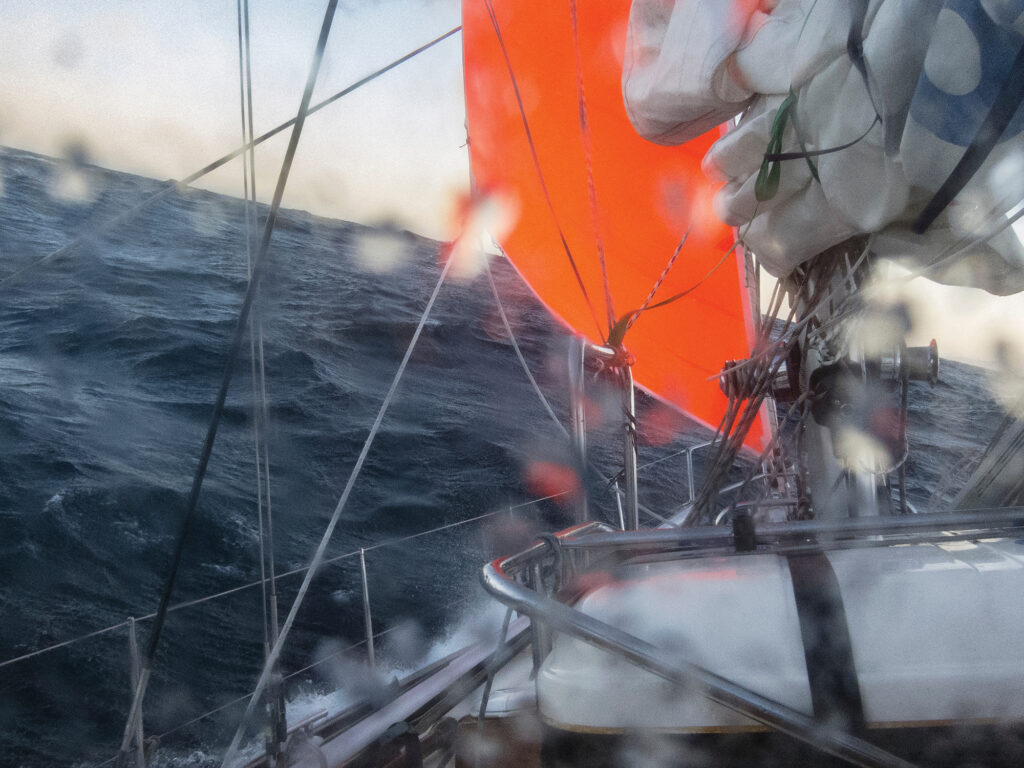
(580, 352)
(562, 618)
(577, 376)
(629, 449)
(504, 577)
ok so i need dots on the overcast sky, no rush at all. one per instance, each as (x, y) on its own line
(151, 86)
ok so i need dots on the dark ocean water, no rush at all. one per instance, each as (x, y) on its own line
(110, 357)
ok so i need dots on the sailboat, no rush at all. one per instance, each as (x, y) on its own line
(804, 613)
(794, 608)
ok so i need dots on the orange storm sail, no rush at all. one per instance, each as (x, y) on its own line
(595, 205)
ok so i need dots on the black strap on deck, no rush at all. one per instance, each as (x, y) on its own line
(835, 692)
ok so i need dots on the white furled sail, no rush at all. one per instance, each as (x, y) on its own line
(896, 118)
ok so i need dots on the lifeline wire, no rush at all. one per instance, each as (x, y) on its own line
(236, 343)
(319, 662)
(171, 185)
(318, 556)
(244, 696)
(285, 575)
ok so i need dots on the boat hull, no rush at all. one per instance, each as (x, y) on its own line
(940, 747)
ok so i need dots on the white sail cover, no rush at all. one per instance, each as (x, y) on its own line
(931, 71)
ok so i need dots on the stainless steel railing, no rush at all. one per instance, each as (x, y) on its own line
(527, 582)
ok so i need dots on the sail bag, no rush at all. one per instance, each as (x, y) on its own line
(881, 110)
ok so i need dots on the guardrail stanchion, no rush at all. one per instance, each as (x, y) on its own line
(577, 375)
(368, 619)
(133, 650)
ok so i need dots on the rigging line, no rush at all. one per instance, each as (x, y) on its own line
(264, 420)
(682, 294)
(62, 644)
(376, 636)
(536, 388)
(809, 153)
(660, 280)
(537, 168)
(519, 352)
(588, 151)
(250, 144)
(148, 616)
(732, 442)
(851, 304)
(94, 231)
(318, 556)
(663, 458)
(763, 330)
(721, 436)
(249, 229)
(285, 575)
(793, 328)
(236, 343)
(172, 184)
(761, 383)
(264, 411)
(955, 251)
(664, 274)
(737, 423)
(290, 675)
(774, 443)
(647, 510)
(484, 516)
